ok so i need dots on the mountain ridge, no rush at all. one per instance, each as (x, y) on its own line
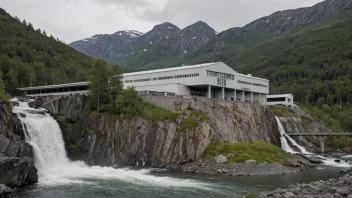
(215, 47)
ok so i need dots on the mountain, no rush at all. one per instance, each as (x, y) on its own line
(189, 39)
(120, 45)
(164, 39)
(29, 57)
(228, 43)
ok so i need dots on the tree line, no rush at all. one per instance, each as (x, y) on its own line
(30, 57)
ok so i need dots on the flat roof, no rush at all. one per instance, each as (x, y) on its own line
(54, 86)
(170, 69)
(278, 96)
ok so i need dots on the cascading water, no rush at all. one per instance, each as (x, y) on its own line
(54, 168)
(284, 142)
(285, 146)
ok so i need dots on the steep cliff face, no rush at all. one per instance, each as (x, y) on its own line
(16, 156)
(301, 122)
(107, 140)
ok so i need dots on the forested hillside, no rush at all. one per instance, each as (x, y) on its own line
(314, 64)
(29, 57)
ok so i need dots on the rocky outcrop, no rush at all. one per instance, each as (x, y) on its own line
(336, 187)
(68, 107)
(301, 122)
(249, 168)
(16, 156)
(108, 140)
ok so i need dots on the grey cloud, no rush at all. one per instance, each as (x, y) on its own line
(72, 20)
(220, 14)
(130, 4)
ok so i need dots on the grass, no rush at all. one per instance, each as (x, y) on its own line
(154, 113)
(282, 111)
(260, 151)
(251, 196)
(192, 121)
(188, 123)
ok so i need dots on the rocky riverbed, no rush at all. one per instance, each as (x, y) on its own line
(335, 187)
(219, 165)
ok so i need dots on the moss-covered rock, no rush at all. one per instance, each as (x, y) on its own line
(260, 151)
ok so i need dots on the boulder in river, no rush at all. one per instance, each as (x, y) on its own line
(220, 159)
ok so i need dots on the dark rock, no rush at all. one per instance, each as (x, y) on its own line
(344, 191)
(16, 156)
(14, 103)
(173, 167)
(4, 190)
(315, 160)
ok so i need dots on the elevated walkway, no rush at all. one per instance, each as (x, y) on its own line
(321, 136)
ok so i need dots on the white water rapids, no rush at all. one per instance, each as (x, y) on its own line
(286, 147)
(54, 168)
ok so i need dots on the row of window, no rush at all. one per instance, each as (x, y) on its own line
(164, 78)
(254, 84)
(259, 85)
(244, 82)
(220, 75)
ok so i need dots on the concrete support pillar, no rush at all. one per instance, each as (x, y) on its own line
(322, 144)
(234, 95)
(209, 91)
(223, 93)
(243, 96)
(165, 93)
(260, 101)
(252, 100)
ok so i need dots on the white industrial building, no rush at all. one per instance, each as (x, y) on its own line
(282, 99)
(212, 80)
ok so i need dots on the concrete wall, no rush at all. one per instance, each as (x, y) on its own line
(180, 103)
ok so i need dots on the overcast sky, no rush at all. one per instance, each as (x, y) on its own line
(72, 20)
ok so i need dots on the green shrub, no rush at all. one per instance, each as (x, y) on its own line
(188, 123)
(5, 99)
(74, 147)
(154, 113)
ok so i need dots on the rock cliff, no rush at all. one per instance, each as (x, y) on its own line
(107, 140)
(16, 156)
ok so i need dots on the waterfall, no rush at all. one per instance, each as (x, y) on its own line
(43, 133)
(286, 147)
(284, 143)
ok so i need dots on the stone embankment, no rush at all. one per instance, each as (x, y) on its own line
(335, 187)
(219, 165)
(16, 156)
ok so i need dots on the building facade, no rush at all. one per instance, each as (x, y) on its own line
(212, 80)
(283, 99)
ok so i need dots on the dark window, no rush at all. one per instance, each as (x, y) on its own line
(282, 99)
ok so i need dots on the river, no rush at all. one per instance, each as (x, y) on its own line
(60, 177)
